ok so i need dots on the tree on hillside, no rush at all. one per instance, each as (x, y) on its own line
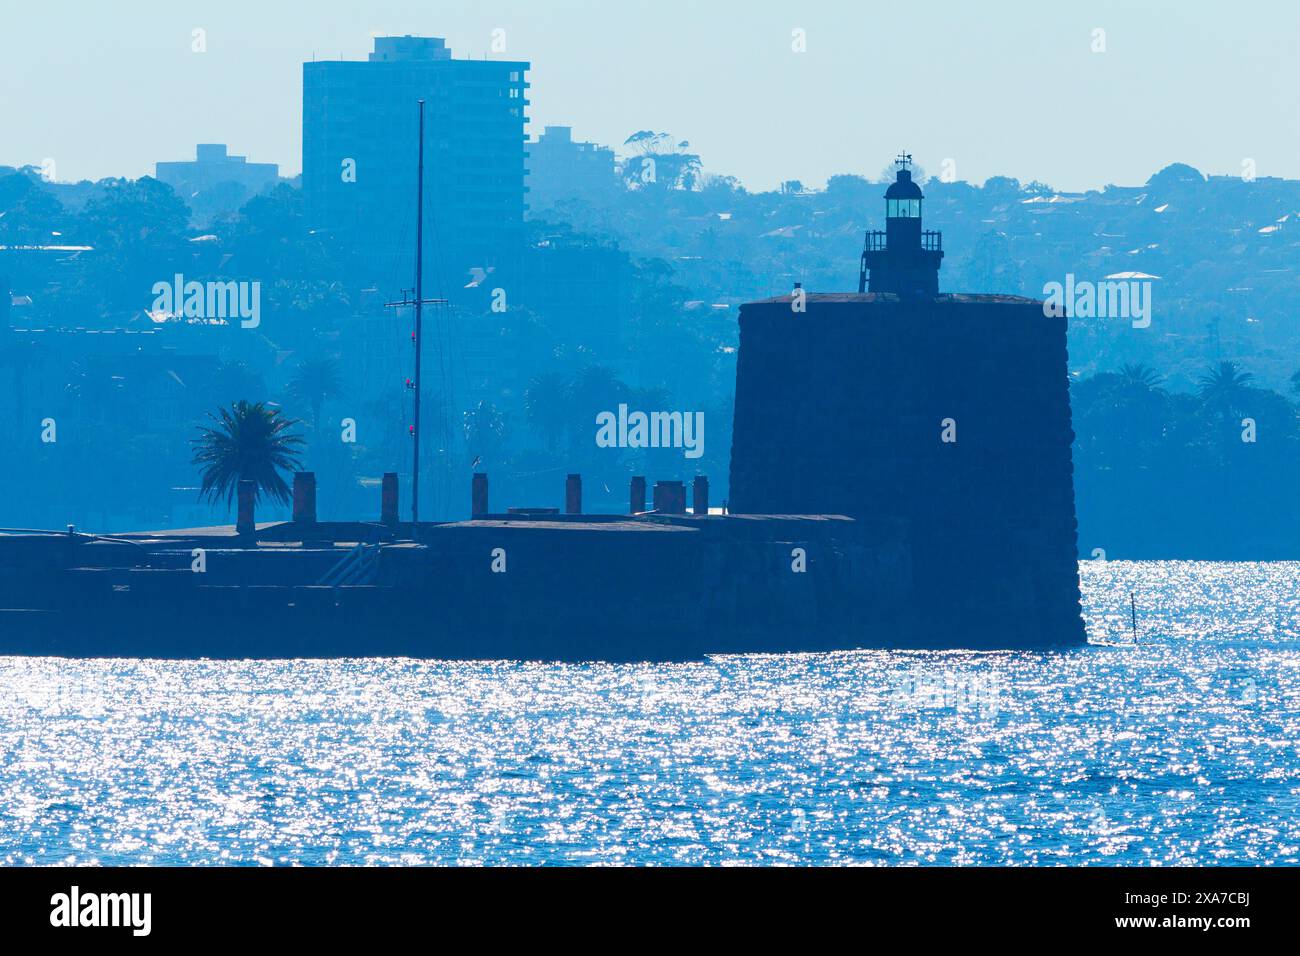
(1225, 388)
(485, 431)
(29, 215)
(138, 230)
(658, 162)
(316, 382)
(545, 402)
(1140, 376)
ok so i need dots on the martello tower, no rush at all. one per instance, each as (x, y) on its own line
(940, 419)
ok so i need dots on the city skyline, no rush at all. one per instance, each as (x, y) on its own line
(755, 97)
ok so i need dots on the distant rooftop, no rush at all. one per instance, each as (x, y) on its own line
(214, 159)
(409, 48)
(216, 153)
(863, 297)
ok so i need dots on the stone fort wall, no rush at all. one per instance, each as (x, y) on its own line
(843, 409)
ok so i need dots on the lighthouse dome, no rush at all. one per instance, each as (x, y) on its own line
(903, 187)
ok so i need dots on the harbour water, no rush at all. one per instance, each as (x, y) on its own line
(1181, 749)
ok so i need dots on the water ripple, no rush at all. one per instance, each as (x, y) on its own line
(1180, 750)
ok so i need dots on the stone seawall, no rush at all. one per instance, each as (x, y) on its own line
(576, 588)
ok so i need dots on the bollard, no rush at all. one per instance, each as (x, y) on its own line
(304, 496)
(573, 495)
(479, 495)
(247, 493)
(700, 493)
(670, 497)
(388, 499)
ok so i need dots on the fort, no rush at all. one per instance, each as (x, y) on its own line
(856, 389)
(907, 539)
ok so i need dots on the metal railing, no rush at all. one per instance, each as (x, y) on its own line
(931, 241)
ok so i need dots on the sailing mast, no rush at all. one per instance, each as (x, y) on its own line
(419, 302)
(419, 310)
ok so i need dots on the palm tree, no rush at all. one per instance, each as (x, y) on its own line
(1136, 413)
(1225, 392)
(546, 399)
(316, 382)
(1141, 376)
(485, 429)
(1225, 388)
(595, 389)
(249, 442)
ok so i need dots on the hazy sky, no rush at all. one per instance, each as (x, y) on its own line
(1000, 87)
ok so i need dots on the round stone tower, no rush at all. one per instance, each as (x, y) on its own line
(947, 414)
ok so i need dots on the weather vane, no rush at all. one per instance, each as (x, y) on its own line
(904, 160)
